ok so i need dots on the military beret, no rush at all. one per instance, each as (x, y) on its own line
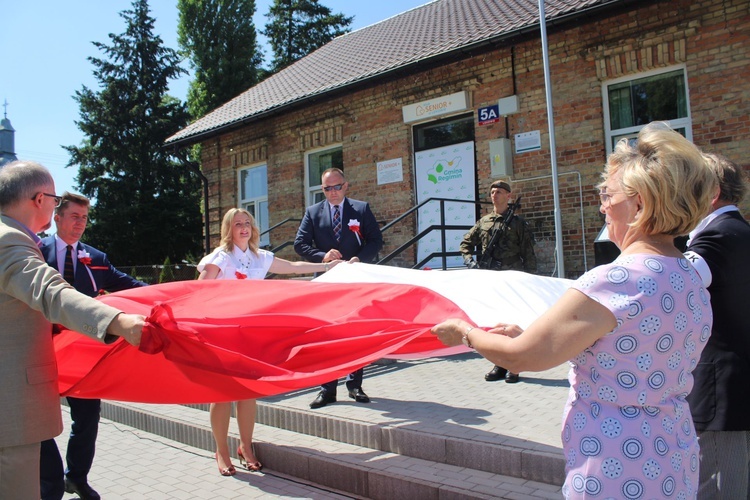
(501, 185)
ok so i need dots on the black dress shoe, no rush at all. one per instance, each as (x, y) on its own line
(511, 378)
(497, 373)
(83, 490)
(359, 396)
(323, 399)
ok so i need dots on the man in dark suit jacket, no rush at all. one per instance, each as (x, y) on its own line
(92, 274)
(33, 295)
(339, 228)
(720, 251)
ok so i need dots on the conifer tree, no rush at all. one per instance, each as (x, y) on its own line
(146, 204)
(298, 27)
(220, 40)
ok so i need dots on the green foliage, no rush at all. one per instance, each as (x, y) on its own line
(167, 273)
(220, 41)
(147, 204)
(298, 27)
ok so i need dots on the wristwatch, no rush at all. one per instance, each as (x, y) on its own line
(465, 337)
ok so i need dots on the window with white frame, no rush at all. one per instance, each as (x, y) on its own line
(317, 162)
(632, 102)
(253, 196)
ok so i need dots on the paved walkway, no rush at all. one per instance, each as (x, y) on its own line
(132, 464)
(449, 396)
(441, 396)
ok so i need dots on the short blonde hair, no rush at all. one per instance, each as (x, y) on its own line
(226, 231)
(670, 175)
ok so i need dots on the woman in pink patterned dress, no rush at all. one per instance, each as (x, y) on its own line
(633, 330)
(238, 257)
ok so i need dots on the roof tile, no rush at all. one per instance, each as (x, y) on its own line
(433, 29)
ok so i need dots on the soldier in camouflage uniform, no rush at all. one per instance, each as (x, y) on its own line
(513, 250)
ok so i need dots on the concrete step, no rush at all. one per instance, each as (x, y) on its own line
(359, 459)
(434, 429)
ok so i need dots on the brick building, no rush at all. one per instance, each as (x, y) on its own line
(398, 101)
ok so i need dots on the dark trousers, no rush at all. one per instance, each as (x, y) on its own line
(81, 448)
(353, 381)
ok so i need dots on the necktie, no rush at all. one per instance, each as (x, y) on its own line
(337, 223)
(68, 274)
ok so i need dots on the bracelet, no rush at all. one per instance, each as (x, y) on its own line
(465, 337)
(326, 266)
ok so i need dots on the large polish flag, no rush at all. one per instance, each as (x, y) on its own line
(217, 340)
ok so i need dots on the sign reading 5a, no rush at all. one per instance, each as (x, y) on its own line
(488, 114)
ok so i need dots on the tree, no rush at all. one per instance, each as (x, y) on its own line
(298, 27)
(220, 40)
(146, 205)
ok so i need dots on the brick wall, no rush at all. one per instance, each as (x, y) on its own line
(710, 38)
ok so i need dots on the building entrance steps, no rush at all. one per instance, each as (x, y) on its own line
(434, 429)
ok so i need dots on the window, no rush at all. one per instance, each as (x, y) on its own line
(253, 197)
(444, 132)
(630, 103)
(318, 162)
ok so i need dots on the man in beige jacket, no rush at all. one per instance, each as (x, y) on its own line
(33, 295)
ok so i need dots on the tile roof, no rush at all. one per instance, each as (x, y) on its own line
(431, 30)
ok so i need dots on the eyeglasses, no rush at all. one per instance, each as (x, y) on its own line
(58, 199)
(606, 198)
(337, 187)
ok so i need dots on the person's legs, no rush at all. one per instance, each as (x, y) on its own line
(354, 386)
(19, 471)
(724, 463)
(84, 428)
(51, 473)
(246, 413)
(354, 380)
(497, 373)
(330, 387)
(219, 414)
(326, 395)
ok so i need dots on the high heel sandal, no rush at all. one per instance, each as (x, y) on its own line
(226, 471)
(253, 467)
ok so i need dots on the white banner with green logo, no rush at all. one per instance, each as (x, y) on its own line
(445, 172)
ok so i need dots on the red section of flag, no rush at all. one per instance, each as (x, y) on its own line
(225, 340)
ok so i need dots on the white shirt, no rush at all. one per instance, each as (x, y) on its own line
(61, 248)
(255, 267)
(332, 210)
(699, 263)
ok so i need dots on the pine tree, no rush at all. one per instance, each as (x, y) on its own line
(146, 204)
(220, 40)
(298, 27)
(167, 273)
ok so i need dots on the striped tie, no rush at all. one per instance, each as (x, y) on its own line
(337, 223)
(68, 274)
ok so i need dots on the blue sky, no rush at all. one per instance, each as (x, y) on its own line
(44, 60)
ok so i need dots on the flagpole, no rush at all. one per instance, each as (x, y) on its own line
(552, 148)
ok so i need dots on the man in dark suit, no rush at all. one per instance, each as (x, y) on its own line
(33, 295)
(720, 251)
(90, 273)
(339, 228)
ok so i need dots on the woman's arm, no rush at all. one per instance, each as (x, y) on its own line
(571, 325)
(281, 266)
(210, 272)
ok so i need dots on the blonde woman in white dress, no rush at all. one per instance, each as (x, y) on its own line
(238, 257)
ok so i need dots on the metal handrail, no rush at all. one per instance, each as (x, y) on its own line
(290, 219)
(419, 236)
(286, 243)
(442, 227)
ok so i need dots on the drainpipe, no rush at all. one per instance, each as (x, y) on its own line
(204, 182)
